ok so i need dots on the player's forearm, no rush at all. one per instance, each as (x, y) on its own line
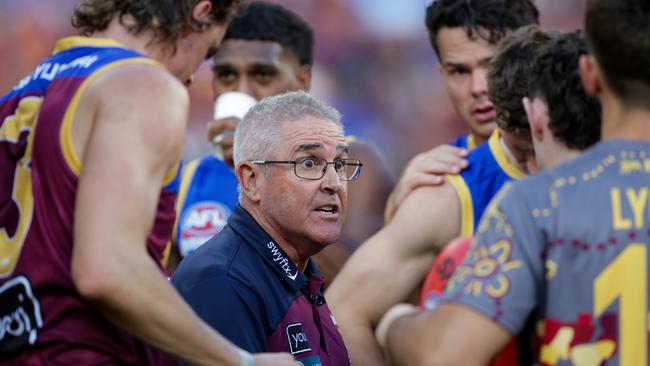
(137, 298)
(401, 347)
(391, 207)
(361, 344)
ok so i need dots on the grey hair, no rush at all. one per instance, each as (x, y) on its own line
(258, 134)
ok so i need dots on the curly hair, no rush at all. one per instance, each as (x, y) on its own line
(490, 20)
(262, 21)
(555, 79)
(165, 18)
(508, 75)
(618, 32)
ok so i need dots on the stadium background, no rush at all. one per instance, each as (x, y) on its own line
(373, 62)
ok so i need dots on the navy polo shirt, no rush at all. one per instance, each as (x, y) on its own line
(246, 287)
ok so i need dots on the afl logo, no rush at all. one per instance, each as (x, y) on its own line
(205, 219)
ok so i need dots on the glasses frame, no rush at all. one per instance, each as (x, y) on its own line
(349, 162)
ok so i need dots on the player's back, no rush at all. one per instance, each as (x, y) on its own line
(582, 232)
(37, 202)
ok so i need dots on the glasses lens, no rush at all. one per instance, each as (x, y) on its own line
(310, 168)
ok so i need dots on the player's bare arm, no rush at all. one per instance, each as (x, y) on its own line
(116, 201)
(425, 169)
(455, 334)
(387, 268)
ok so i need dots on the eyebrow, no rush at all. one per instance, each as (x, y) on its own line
(482, 62)
(309, 147)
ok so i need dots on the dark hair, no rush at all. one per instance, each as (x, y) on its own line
(487, 19)
(262, 21)
(508, 75)
(164, 17)
(555, 78)
(617, 32)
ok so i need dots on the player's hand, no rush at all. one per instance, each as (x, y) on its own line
(275, 359)
(222, 130)
(426, 169)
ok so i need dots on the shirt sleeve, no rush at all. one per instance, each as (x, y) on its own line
(230, 308)
(503, 270)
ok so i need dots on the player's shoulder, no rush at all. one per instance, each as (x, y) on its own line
(479, 154)
(567, 178)
(138, 82)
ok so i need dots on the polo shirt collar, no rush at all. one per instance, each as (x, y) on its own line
(254, 235)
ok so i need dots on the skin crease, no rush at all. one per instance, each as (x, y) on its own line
(300, 229)
(463, 66)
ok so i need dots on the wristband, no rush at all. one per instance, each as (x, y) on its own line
(245, 358)
(399, 310)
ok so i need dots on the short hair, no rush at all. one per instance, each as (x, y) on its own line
(261, 21)
(555, 79)
(165, 18)
(490, 20)
(258, 134)
(618, 35)
(508, 75)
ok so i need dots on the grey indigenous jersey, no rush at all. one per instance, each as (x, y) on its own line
(569, 248)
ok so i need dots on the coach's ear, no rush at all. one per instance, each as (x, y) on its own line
(250, 178)
(590, 75)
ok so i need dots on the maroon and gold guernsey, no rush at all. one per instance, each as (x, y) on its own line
(43, 318)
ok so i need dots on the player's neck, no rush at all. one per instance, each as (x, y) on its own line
(558, 154)
(143, 43)
(510, 157)
(624, 123)
(478, 139)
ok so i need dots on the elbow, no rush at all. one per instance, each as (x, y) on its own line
(94, 281)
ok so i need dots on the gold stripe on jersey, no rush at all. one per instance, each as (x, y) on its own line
(186, 179)
(466, 207)
(500, 156)
(65, 134)
(171, 173)
(80, 41)
(24, 119)
(471, 142)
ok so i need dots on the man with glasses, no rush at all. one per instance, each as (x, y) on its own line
(255, 281)
(268, 50)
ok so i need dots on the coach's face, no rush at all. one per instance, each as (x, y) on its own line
(308, 214)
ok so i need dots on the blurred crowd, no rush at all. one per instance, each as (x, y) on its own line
(373, 63)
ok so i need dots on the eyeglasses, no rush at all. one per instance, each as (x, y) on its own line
(315, 168)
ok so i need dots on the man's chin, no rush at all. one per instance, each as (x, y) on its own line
(483, 130)
(325, 238)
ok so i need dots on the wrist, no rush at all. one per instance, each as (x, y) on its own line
(245, 358)
(397, 311)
